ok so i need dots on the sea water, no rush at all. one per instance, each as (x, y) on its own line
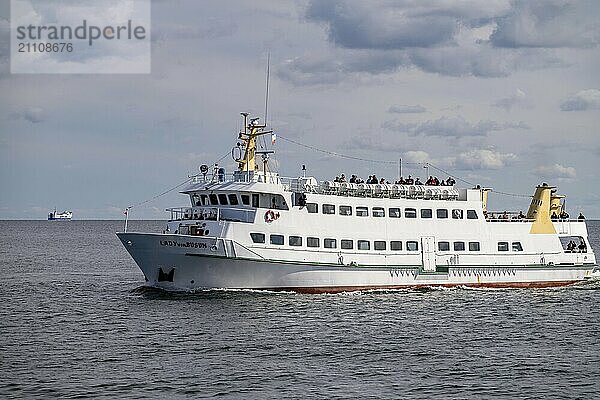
(77, 321)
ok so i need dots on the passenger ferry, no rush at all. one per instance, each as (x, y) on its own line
(257, 230)
(65, 215)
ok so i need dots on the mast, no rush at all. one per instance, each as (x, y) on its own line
(252, 130)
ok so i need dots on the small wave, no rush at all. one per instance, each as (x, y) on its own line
(148, 291)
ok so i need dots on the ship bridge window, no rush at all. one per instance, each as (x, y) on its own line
(345, 210)
(257, 237)
(328, 209)
(412, 245)
(204, 199)
(573, 244)
(195, 200)
(457, 214)
(396, 245)
(502, 246)
(516, 246)
(245, 199)
(312, 242)
(277, 239)
(233, 200)
(442, 213)
(472, 214)
(410, 213)
(223, 199)
(363, 245)
(378, 212)
(474, 246)
(459, 246)
(213, 199)
(362, 212)
(426, 213)
(277, 202)
(295, 241)
(394, 212)
(379, 245)
(347, 244)
(255, 200)
(444, 246)
(312, 208)
(330, 243)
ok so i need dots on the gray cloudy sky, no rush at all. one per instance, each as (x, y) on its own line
(501, 93)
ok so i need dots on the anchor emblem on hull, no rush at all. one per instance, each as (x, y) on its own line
(166, 276)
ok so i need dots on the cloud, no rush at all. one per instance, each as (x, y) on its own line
(483, 159)
(416, 156)
(405, 109)
(376, 142)
(452, 39)
(555, 171)
(479, 60)
(361, 25)
(519, 99)
(548, 24)
(452, 127)
(476, 159)
(583, 100)
(35, 115)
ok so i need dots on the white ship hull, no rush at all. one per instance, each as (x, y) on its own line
(178, 262)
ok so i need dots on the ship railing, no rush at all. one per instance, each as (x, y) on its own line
(311, 185)
(380, 190)
(507, 216)
(211, 214)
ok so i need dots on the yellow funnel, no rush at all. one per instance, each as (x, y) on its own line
(539, 210)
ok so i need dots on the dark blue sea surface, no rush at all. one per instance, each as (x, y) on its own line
(76, 321)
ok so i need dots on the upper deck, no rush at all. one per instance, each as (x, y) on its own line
(273, 183)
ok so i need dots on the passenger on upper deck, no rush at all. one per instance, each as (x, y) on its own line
(582, 247)
(581, 217)
(409, 181)
(521, 215)
(353, 179)
(400, 181)
(554, 217)
(418, 182)
(450, 181)
(432, 181)
(564, 215)
(343, 178)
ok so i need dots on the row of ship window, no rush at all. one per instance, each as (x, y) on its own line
(393, 212)
(395, 245)
(223, 199)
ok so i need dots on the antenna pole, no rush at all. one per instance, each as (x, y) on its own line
(267, 87)
(126, 218)
(399, 168)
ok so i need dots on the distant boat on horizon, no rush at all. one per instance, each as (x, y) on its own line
(65, 215)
